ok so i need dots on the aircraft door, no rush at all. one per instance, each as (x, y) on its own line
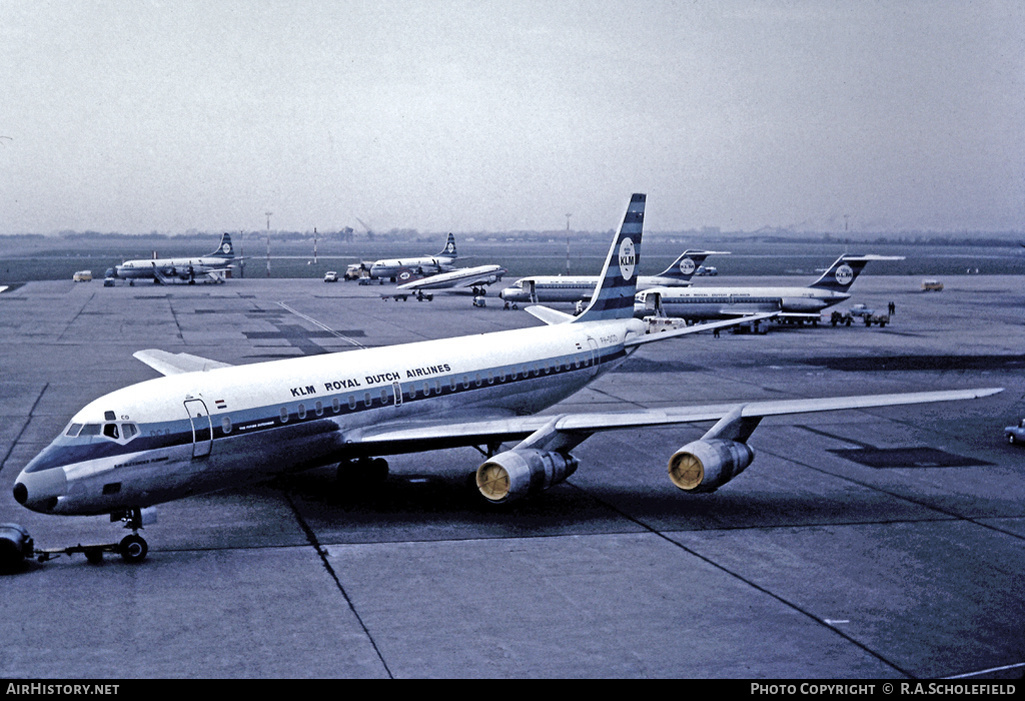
(653, 304)
(592, 348)
(532, 290)
(396, 389)
(202, 427)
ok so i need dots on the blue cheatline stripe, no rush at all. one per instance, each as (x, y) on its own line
(260, 419)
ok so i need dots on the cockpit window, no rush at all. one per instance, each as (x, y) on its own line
(121, 432)
(73, 430)
(90, 430)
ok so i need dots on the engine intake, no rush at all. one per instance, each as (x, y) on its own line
(517, 473)
(706, 465)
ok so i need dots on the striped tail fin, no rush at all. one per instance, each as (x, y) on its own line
(224, 248)
(449, 251)
(684, 267)
(842, 273)
(613, 296)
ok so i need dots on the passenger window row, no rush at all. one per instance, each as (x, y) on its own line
(386, 395)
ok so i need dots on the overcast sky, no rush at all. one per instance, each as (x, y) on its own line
(436, 115)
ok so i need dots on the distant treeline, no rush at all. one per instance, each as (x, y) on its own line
(349, 235)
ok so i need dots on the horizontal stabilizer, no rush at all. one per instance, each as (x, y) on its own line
(696, 328)
(548, 315)
(176, 363)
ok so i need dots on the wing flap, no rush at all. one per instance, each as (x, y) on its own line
(176, 363)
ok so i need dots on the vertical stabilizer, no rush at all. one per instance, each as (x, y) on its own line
(684, 267)
(224, 248)
(842, 274)
(613, 296)
(449, 251)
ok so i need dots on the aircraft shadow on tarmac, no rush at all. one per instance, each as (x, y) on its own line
(409, 500)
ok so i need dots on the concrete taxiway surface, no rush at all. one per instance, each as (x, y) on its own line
(883, 543)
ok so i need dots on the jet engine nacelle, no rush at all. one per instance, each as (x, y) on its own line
(706, 465)
(517, 473)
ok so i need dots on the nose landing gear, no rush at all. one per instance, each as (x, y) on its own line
(132, 548)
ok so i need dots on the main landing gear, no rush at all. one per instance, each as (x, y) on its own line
(132, 548)
(363, 472)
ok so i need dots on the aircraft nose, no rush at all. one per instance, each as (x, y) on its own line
(39, 491)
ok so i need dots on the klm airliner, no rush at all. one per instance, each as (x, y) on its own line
(213, 267)
(208, 426)
(574, 288)
(798, 303)
(443, 262)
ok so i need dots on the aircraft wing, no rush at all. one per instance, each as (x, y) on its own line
(554, 316)
(176, 363)
(463, 277)
(429, 435)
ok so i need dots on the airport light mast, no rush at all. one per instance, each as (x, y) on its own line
(567, 242)
(268, 241)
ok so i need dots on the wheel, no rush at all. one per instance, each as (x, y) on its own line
(377, 470)
(133, 548)
(94, 556)
(363, 473)
(1010, 438)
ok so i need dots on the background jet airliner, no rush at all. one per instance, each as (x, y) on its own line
(430, 265)
(567, 288)
(703, 303)
(207, 426)
(213, 265)
(473, 279)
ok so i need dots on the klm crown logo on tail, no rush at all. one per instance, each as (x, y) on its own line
(613, 296)
(627, 259)
(844, 275)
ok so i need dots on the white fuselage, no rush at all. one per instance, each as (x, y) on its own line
(460, 277)
(169, 267)
(429, 264)
(727, 302)
(567, 288)
(194, 432)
